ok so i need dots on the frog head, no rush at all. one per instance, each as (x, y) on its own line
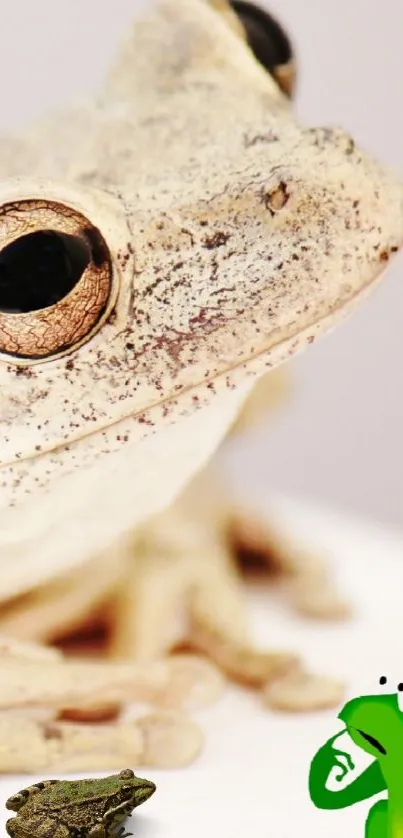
(160, 248)
(133, 789)
(375, 724)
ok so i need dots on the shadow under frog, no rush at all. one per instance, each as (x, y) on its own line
(375, 724)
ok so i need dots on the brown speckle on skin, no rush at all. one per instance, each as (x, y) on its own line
(216, 240)
(256, 139)
(350, 147)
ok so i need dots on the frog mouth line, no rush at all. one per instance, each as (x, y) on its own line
(372, 741)
(348, 304)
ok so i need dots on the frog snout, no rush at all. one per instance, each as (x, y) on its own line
(145, 789)
(363, 197)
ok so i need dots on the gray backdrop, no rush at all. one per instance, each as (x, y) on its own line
(340, 438)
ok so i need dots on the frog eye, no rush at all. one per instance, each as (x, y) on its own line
(127, 790)
(56, 280)
(268, 42)
(386, 686)
(389, 689)
(126, 774)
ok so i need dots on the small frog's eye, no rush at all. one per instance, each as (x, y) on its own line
(400, 696)
(126, 774)
(383, 680)
(56, 280)
(268, 42)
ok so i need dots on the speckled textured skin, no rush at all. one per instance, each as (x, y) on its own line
(235, 236)
(64, 808)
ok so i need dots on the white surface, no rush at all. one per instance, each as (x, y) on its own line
(252, 777)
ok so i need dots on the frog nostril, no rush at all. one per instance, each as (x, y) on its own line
(275, 199)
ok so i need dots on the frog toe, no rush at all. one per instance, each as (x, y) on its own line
(15, 802)
(262, 547)
(11, 827)
(97, 831)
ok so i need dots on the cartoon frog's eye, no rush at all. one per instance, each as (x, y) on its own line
(268, 42)
(56, 279)
(386, 684)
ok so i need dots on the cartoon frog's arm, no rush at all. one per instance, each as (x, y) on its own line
(368, 783)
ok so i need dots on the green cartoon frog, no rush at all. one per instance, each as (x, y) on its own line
(375, 724)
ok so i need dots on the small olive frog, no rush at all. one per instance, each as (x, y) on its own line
(67, 808)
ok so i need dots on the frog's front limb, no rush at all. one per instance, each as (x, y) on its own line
(187, 558)
(64, 604)
(182, 563)
(121, 833)
(370, 782)
(303, 574)
(111, 822)
(114, 818)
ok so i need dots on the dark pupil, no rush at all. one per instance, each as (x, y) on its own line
(38, 270)
(266, 37)
(382, 680)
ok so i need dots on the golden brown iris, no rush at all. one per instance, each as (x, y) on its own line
(55, 279)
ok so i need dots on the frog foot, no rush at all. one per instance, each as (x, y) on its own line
(120, 833)
(263, 549)
(184, 588)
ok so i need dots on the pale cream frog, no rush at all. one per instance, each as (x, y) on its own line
(211, 237)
